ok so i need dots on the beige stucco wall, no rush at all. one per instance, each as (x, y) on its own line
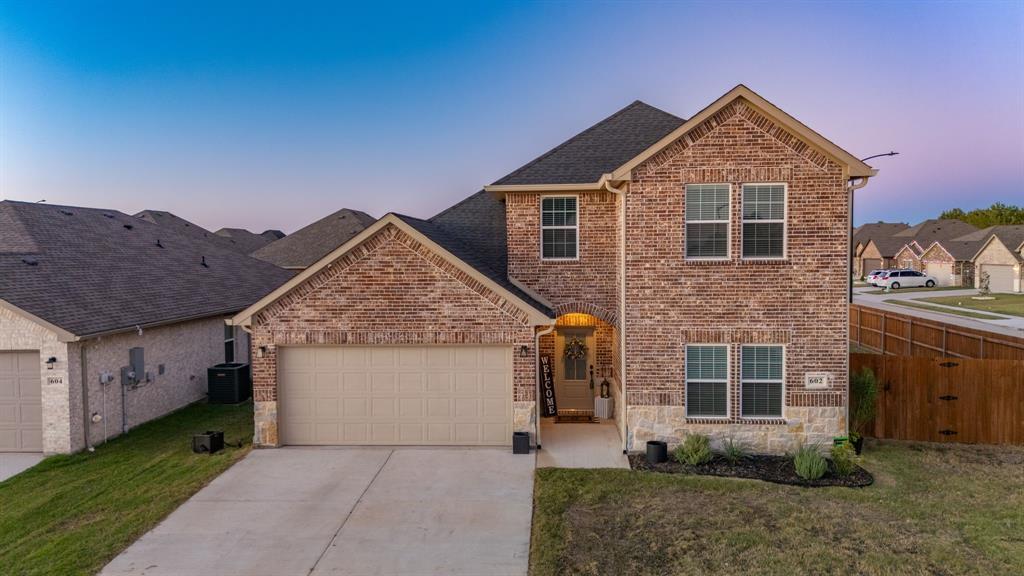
(996, 253)
(20, 333)
(185, 350)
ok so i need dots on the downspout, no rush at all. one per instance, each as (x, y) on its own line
(84, 375)
(852, 186)
(536, 369)
(620, 192)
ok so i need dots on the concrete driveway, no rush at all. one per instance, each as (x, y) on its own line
(14, 463)
(301, 511)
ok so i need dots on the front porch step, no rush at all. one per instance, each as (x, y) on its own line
(571, 415)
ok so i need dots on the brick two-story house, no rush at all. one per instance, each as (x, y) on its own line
(700, 265)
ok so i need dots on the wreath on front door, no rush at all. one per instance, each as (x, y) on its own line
(575, 349)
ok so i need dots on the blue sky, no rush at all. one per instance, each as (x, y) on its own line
(272, 114)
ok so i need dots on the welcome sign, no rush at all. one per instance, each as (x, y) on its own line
(547, 386)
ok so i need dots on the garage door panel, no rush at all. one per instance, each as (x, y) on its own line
(1000, 277)
(21, 413)
(400, 395)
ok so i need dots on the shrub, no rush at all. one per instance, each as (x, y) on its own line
(694, 450)
(733, 451)
(863, 398)
(843, 459)
(809, 463)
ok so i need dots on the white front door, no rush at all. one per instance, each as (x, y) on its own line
(572, 375)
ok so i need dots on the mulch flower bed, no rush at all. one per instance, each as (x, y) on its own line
(777, 469)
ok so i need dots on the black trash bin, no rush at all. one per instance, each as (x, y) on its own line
(520, 442)
(657, 452)
(229, 383)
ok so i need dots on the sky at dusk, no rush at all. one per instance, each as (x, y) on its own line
(270, 115)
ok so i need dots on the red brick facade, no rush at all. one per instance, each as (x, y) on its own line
(799, 302)
(390, 290)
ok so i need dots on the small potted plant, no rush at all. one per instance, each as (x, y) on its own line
(863, 407)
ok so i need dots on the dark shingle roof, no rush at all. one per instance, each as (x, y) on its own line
(934, 230)
(248, 242)
(478, 222)
(181, 225)
(873, 230)
(471, 257)
(99, 271)
(307, 245)
(599, 149)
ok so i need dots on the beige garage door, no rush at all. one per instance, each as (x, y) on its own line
(941, 271)
(21, 407)
(429, 395)
(1000, 277)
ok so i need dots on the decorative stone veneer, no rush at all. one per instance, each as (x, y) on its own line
(799, 302)
(802, 425)
(524, 417)
(391, 289)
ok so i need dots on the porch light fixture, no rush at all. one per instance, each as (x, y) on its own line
(50, 362)
(524, 351)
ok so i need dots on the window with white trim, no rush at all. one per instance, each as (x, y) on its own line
(707, 381)
(707, 221)
(764, 220)
(229, 344)
(559, 228)
(761, 384)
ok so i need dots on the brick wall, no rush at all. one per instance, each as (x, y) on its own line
(799, 302)
(389, 290)
(589, 284)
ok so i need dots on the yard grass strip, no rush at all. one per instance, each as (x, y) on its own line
(933, 509)
(72, 514)
(939, 309)
(1012, 304)
(922, 289)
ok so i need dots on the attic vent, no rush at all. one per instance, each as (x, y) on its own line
(203, 263)
(158, 244)
(108, 215)
(30, 261)
(67, 212)
(128, 226)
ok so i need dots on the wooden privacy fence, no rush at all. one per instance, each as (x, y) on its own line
(901, 334)
(947, 399)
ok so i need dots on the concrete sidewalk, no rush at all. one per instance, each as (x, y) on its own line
(301, 511)
(1010, 326)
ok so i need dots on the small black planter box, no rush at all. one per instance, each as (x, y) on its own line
(208, 442)
(520, 442)
(229, 383)
(657, 452)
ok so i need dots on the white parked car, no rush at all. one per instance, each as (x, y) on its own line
(874, 276)
(897, 279)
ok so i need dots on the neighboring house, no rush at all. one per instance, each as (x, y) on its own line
(909, 257)
(880, 253)
(949, 262)
(83, 292)
(639, 247)
(248, 242)
(1001, 255)
(864, 234)
(304, 247)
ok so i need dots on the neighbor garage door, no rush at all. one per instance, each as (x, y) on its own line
(941, 271)
(427, 395)
(871, 264)
(21, 409)
(1000, 277)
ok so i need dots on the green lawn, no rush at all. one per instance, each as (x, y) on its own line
(922, 289)
(930, 308)
(1012, 304)
(934, 509)
(73, 514)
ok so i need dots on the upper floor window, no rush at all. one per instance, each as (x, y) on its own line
(764, 220)
(559, 224)
(707, 381)
(707, 221)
